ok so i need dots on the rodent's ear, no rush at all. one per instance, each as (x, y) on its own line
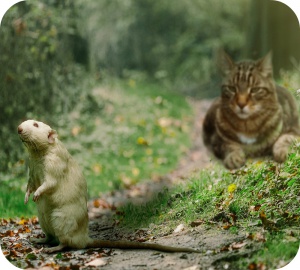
(52, 135)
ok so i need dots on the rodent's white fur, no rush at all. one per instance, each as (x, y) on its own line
(60, 192)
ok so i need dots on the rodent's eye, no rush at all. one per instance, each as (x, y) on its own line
(35, 124)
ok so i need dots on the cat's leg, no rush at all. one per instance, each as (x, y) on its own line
(281, 147)
(235, 157)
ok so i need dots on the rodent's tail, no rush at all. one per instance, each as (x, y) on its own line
(96, 243)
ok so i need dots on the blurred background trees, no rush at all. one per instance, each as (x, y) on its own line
(48, 48)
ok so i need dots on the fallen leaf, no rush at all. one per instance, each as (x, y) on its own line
(259, 237)
(76, 130)
(158, 100)
(127, 181)
(101, 203)
(291, 238)
(23, 221)
(233, 217)
(197, 222)
(164, 122)
(141, 141)
(238, 245)
(179, 228)
(3, 222)
(97, 168)
(194, 267)
(9, 233)
(225, 248)
(135, 171)
(268, 224)
(97, 262)
(17, 245)
(256, 266)
(227, 226)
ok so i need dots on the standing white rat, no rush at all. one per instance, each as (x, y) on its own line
(60, 193)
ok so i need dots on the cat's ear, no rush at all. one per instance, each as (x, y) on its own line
(225, 62)
(265, 65)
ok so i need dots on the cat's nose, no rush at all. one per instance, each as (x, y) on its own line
(242, 102)
(242, 105)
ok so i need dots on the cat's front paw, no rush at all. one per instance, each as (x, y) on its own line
(281, 147)
(281, 154)
(235, 160)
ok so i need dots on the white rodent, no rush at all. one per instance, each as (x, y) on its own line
(60, 192)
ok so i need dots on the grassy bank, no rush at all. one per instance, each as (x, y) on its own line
(120, 133)
(261, 200)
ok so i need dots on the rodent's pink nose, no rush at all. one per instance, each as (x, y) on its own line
(20, 129)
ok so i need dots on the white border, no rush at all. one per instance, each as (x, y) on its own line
(6, 5)
(293, 4)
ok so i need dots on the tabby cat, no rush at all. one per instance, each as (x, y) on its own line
(253, 116)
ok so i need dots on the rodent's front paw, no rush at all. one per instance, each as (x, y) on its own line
(235, 160)
(26, 197)
(36, 196)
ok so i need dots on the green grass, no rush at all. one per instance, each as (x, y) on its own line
(12, 201)
(139, 131)
(120, 133)
(259, 186)
(276, 253)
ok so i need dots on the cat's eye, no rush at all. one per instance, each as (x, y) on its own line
(227, 89)
(35, 124)
(258, 91)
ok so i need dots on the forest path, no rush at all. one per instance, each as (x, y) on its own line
(197, 158)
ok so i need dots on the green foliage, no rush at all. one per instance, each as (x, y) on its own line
(40, 74)
(173, 41)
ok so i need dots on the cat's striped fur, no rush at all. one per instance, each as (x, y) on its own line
(253, 116)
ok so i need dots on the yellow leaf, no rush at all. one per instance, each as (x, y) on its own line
(164, 122)
(131, 83)
(23, 221)
(97, 168)
(135, 171)
(76, 130)
(231, 188)
(127, 181)
(141, 141)
(149, 151)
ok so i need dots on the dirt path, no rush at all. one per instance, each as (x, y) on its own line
(196, 158)
(209, 241)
